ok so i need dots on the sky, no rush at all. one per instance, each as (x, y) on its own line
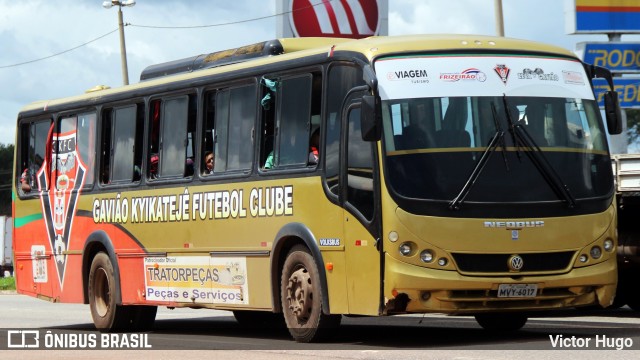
(34, 29)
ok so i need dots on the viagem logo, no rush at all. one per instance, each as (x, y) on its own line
(407, 74)
(346, 18)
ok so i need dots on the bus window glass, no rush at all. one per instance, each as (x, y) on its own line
(294, 121)
(174, 136)
(208, 130)
(565, 129)
(124, 129)
(222, 123)
(359, 168)
(242, 117)
(86, 144)
(235, 118)
(83, 126)
(341, 79)
(32, 150)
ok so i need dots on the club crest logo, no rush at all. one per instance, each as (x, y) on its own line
(503, 72)
(63, 182)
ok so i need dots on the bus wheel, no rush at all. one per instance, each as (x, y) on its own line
(259, 319)
(107, 316)
(501, 322)
(301, 296)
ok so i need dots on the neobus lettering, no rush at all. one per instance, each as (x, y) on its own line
(271, 201)
(513, 224)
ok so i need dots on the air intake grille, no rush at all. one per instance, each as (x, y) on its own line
(497, 263)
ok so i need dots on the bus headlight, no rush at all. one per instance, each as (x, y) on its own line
(426, 256)
(608, 245)
(583, 258)
(405, 249)
(595, 252)
(443, 261)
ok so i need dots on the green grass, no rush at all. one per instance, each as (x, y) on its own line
(7, 283)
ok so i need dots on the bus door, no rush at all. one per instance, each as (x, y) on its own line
(361, 220)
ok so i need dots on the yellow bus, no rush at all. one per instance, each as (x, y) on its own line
(305, 179)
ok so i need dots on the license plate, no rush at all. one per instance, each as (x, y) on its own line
(517, 290)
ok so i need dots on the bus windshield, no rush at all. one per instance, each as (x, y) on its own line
(433, 143)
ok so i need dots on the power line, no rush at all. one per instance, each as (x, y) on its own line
(60, 53)
(231, 22)
(164, 27)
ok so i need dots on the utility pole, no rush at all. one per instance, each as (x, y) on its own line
(123, 48)
(499, 20)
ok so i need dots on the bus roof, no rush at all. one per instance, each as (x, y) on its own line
(294, 48)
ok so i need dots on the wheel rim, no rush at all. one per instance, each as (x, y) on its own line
(300, 295)
(102, 294)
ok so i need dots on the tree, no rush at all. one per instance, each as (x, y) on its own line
(6, 178)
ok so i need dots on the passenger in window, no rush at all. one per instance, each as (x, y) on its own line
(209, 160)
(25, 181)
(269, 163)
(188, 170)
(314, 143)
(153, 168)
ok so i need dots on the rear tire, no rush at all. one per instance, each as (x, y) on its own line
(301, 296)
(501, 322)
(107, 315)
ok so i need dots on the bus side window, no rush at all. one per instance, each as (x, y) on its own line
(86, 144)
(297, 114)
(172, 130)
(33, 140)
(234, 122)
(208, 132)
(121, 156)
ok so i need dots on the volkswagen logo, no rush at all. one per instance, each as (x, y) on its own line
(515, 263)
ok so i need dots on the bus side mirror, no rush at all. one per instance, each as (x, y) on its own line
(612, 112)
(370, 123)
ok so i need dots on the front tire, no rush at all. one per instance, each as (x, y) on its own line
(107, 315)
(501, 322)
(301, 296)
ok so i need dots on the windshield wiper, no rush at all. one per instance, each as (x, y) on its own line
(535, 154)
(496, 140)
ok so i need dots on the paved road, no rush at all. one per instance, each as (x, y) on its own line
(407, 337)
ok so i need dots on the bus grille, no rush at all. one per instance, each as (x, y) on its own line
(497, 263)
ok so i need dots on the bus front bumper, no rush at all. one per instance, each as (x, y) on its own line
(414, 289)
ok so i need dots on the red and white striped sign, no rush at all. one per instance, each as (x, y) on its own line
(335, 18)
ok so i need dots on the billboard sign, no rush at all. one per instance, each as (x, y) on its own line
(354, 19)
(617, 57)
(628, 91)
(604, 16)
